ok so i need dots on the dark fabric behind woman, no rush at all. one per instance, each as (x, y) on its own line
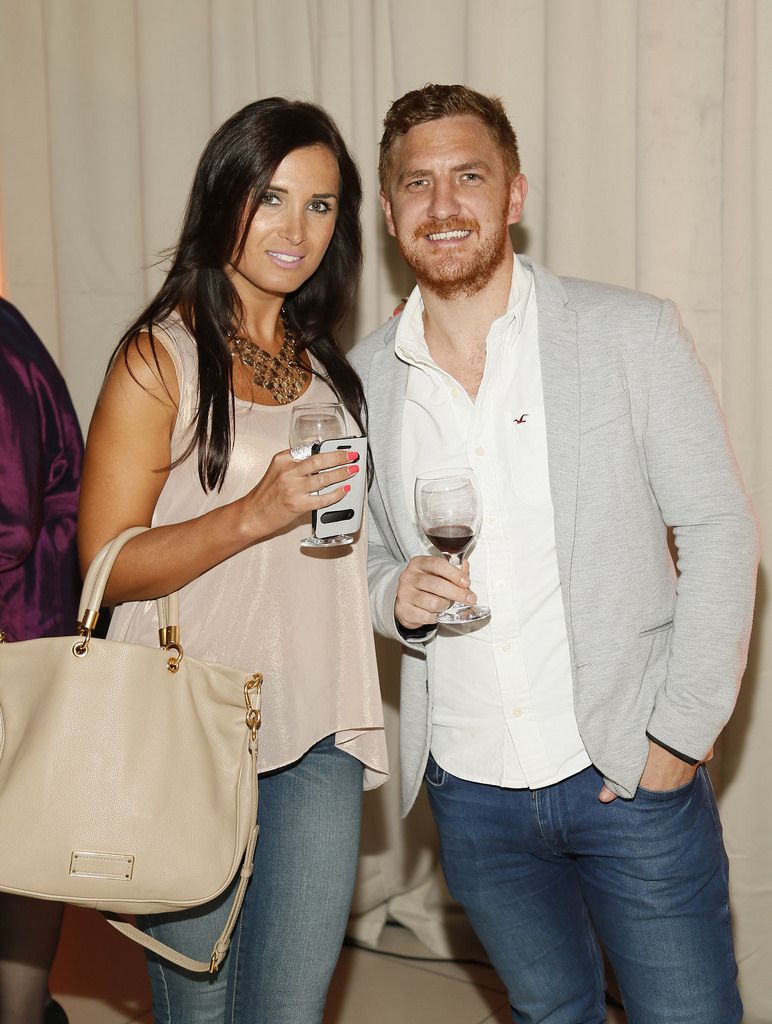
(41, 452)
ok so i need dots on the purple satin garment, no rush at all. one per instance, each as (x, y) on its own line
(41, 453)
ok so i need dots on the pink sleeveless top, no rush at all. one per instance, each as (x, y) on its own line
(303, 620)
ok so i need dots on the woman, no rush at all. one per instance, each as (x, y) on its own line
(190, 436)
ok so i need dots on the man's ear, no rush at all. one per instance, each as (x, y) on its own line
(386, 206)
(518, 190)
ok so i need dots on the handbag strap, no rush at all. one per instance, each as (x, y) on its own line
(223, 941)
(95, 583)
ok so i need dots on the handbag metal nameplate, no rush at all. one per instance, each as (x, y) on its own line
(102, 865)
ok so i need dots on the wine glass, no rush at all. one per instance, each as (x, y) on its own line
(311, 423)
(449, 512)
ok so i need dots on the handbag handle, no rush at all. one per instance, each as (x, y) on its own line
(94, 585)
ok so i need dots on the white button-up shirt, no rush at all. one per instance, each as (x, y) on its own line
(503, 706)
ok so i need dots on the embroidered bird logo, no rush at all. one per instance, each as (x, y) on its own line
(520, 419)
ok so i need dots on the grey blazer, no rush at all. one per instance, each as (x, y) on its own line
(636, 443)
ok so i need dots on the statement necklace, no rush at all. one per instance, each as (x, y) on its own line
(281, 375)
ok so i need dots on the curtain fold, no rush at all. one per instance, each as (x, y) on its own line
(644, 128)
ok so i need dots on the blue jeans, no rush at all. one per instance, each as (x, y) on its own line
(541, 872)
(291, 927)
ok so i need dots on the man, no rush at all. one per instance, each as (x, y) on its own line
(562, 741)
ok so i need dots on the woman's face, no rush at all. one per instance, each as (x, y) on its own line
(293, 225)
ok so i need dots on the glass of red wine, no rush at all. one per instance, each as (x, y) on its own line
(449, 511)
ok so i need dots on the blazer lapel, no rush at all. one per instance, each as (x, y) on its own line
(559, 355)
(387, 383)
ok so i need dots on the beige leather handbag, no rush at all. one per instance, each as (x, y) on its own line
(128, 774)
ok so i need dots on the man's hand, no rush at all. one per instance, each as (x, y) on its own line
(429, 585)
(663, 771)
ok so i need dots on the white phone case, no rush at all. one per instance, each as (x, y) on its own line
(345, 516)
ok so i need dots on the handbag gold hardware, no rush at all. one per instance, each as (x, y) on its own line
(85, 627)
(88, 620)
(252, 693)
(173, 664)
(168, 635)
(169, 638)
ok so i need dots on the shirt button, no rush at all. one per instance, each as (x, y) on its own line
(455, 392)
(479, 450)
(506, 648)
(517, 712)
(500, 584)
(490, 519)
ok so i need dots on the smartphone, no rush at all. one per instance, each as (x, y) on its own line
(345, 516)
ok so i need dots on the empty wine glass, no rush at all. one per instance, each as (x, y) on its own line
(310, 424)
(449, 511)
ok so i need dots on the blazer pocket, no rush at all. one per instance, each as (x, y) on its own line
(598, 416)
(660, 628)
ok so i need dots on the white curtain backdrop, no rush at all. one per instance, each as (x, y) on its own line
(645, 132)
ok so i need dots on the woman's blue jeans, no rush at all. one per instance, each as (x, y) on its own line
(291, 927)
(541, 872)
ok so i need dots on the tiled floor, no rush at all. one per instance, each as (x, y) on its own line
(99, 978)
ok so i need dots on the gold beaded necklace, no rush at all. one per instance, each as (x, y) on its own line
(282, 375)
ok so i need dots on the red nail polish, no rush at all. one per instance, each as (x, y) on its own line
(352, 469)
(346, 488)
(352, 456)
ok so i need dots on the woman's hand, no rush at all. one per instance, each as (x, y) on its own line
(289, 489)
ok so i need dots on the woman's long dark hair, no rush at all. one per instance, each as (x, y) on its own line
(234, 171)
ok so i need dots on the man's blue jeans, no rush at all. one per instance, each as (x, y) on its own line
(291, 927)
(540, 873)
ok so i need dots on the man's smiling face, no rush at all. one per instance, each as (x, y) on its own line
(450, 202)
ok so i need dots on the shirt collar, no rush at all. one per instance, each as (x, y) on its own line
(410, 341)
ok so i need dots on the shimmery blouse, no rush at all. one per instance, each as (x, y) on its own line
(301, 619)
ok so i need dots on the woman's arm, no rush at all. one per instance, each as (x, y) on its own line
(128, 448)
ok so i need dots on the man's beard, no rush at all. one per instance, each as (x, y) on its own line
(454, 274)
